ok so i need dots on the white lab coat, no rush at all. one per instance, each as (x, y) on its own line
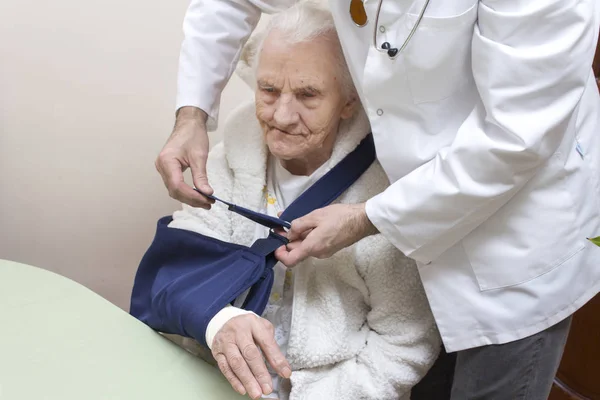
(488, 126)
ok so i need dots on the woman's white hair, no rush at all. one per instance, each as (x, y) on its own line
(303, 22)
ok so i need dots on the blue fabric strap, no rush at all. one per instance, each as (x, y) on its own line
(262, 219)
(333, 183)
(319, 195)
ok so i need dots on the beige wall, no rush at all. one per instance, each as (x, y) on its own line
(87, 91)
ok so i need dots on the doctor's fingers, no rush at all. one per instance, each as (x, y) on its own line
(301, 227)
(171, 170)
(293, 253)
(187, 147)
(197, 163)
(313, 244)
(264, 336)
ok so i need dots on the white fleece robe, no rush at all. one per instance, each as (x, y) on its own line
(361, 325)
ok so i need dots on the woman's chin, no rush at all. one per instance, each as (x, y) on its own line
(284, 151)
(284, 155)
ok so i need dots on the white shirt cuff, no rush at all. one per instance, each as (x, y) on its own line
(220, 319)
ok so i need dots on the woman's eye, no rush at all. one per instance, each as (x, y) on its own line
(269, 90)
(308, 95)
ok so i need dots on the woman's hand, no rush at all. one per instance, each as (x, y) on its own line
(237, 349)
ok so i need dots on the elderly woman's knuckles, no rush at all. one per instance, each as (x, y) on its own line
(250, 352)
(225, 338)
(222, 363)
(236, 362)
(266, 324)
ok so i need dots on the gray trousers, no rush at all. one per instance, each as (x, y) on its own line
(520, 370)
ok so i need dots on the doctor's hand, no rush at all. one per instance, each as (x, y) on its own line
(187, 147)
(237, 349)
(324, 232)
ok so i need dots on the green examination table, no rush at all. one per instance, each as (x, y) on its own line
(61, 341)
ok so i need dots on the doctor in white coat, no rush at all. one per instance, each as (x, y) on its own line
(486, 118)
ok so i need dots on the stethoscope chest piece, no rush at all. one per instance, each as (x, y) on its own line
(360, 18)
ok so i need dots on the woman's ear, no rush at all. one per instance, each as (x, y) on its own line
(351, 106)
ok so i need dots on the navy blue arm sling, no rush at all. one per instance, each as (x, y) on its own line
(185, 278)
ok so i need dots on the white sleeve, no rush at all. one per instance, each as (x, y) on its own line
(220, 319)
(214, 33)
(531, 62)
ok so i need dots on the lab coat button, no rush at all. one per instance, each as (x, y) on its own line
(380, 112)
(382, 29)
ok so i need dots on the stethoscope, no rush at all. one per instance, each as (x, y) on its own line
(386, 47)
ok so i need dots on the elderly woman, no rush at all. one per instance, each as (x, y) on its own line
(353, 326)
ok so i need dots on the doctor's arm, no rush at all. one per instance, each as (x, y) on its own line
(531, 63)
(214, 33)
(402, 341)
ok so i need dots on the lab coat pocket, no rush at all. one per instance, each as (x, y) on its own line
(534, 233)
(438, 57)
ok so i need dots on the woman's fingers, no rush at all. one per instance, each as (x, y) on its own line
(265, 338)
(240, 368)
(253, 358)
(237, 349)
(229, 375)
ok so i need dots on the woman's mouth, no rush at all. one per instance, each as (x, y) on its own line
(280, 131)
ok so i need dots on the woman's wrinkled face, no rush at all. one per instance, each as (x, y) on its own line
(300, 98)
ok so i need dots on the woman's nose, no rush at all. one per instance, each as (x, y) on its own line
(285, 111)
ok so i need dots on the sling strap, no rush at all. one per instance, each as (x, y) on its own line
(322, 193)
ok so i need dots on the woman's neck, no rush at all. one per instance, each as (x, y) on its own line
(305, 166)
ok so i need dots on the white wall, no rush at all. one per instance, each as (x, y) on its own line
(87, 93)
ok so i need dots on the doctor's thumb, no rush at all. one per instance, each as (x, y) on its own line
(199, 176)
